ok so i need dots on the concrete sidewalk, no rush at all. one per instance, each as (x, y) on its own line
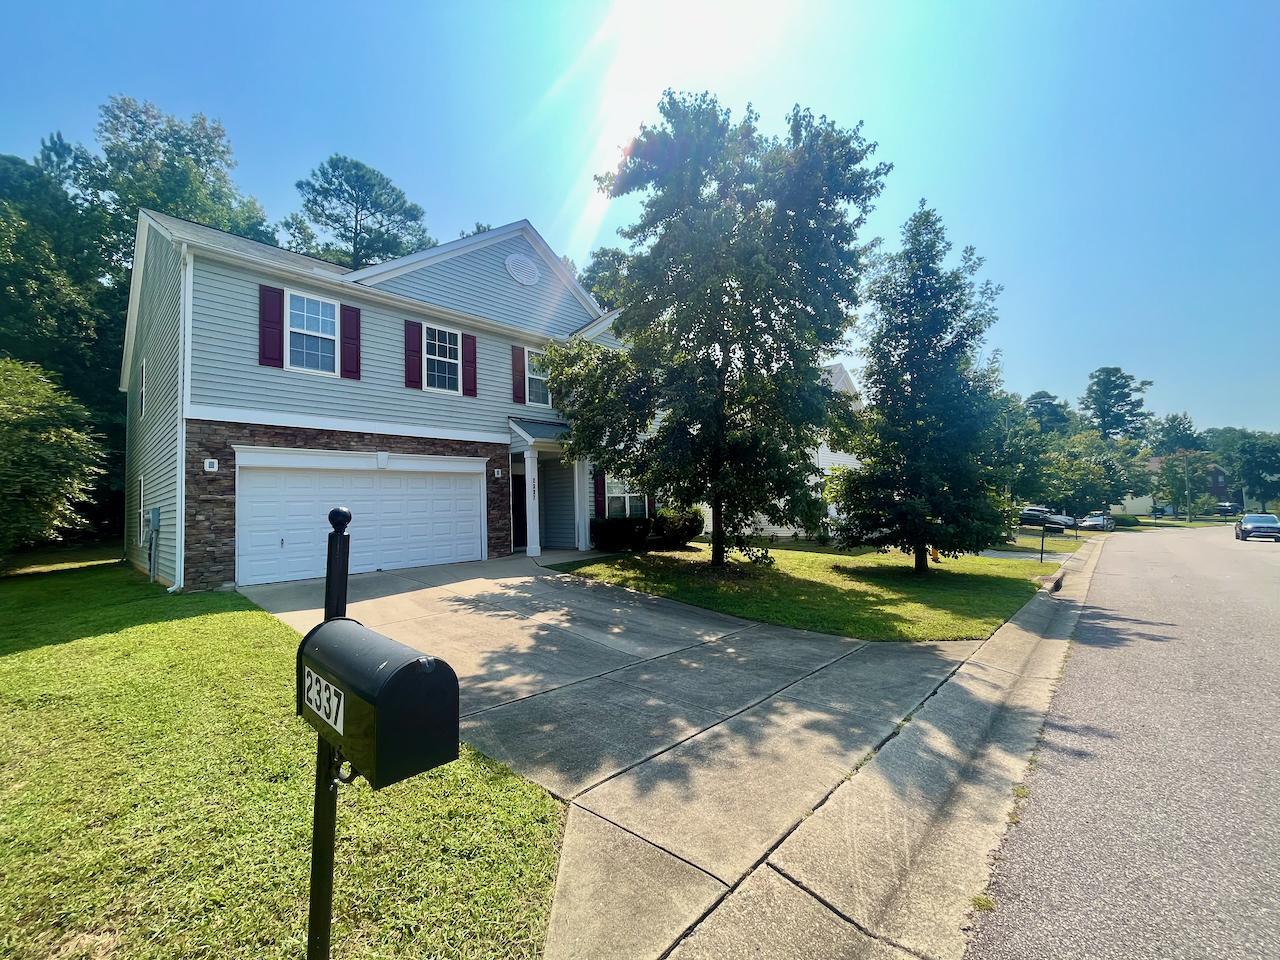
(753, 837)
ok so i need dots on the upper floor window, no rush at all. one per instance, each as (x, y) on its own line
(442, 353)
(313, 334)
(536, 380)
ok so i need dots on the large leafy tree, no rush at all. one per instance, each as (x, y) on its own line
(1020, 446)
(1085, 472)
(1183, 478)
(1113, 403)
(354, 215)
(744, 268)
(604, 274)
(68, 237)
(1260, 467)
(1224, 443)
(931, 472)
(151, 159)
(48, 457)
(49, 288)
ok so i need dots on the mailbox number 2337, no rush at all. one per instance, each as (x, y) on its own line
(323, 698)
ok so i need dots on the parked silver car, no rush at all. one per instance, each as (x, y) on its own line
(1098, 520)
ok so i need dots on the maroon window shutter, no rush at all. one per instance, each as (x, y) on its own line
(413, 354)
(600, 507)
(270, 326)
(468, 365)
(517, 373)
(350, 337)
(653, 505)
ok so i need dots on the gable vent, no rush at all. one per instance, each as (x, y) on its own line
(522, 269)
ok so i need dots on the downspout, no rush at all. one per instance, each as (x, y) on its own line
(180, 521)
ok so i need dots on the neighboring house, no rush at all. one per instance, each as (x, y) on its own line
(824, 457)
(265, 387)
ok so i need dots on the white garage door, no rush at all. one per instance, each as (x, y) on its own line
(399, 519)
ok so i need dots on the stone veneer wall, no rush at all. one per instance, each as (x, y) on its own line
(210, 549)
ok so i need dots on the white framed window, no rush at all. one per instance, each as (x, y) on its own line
(535, 376)
(441, 359)
(142, 388)
(142, 513)
(312, 328)
(621, 500)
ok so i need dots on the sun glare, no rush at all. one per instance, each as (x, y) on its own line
(638, 51)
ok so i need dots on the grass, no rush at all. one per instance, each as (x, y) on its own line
(1030, 543)
(983, 903)
(63, 556)
(155, 796)
(860, 594)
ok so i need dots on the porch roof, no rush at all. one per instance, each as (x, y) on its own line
(534, 431)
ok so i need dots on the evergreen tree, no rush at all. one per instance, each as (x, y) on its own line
(1112, 402)
(930, 473)
(354, 215)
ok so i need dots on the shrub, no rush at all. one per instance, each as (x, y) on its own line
(1125, 519)
(616, 534)
(675, 527)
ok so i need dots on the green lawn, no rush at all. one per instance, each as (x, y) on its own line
(62, 556)
(155, 797)
(1026, 542)
(864, 594)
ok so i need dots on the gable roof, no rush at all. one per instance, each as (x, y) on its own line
(178, 229)
(602, 322)
(379, 272)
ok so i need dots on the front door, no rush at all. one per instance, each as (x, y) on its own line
(519, 518)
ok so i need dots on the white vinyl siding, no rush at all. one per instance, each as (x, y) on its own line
(151, 440)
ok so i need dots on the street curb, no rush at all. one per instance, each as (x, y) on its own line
(1052, 582)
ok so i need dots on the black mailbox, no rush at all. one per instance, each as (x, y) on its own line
(390, 710)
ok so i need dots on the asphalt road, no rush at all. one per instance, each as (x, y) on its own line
(1153, 824)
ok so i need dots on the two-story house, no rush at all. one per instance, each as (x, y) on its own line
(265, 387)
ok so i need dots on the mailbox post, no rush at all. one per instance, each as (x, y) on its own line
(384, 709)
(328, 761)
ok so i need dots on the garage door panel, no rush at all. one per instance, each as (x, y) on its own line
(401, 519)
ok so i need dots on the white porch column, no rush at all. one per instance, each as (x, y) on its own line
(533, 539)
(582, 503)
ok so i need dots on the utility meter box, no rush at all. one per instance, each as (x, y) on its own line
(391, 710)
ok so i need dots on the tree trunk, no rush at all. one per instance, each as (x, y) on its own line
(717, 534)
(922, 558)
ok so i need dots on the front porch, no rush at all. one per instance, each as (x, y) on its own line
(551, 501)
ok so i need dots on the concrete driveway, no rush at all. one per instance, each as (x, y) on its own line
(688, 743)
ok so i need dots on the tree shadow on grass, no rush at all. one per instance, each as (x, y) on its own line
(46, 609)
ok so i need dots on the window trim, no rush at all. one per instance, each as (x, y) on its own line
(626, 496)
(427, 325)
(142, 388)
(528, 376)
(336, 338)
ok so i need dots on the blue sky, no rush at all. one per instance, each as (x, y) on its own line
(1117, 164)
